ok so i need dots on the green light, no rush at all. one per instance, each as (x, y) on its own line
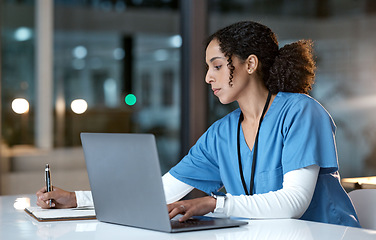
(130, 99)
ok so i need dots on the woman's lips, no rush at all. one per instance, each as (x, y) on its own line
(216, 90)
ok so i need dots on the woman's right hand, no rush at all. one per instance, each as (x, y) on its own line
(60, 198)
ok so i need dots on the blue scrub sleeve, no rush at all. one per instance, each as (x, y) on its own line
(199, 168)
(309, 138)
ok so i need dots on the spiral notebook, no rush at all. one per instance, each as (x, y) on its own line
(44, 215)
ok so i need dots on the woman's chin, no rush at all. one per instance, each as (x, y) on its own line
(224, 101)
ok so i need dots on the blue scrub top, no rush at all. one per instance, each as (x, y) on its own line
(296, 132)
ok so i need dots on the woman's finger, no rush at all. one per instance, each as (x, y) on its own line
(42, 203)
(41, 191)
(175, 211)
(186, 216)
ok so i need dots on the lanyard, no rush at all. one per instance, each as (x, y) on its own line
(241, 117)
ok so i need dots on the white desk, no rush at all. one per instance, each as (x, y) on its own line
(16, 224)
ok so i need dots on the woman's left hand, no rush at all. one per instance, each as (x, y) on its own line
(192, 207)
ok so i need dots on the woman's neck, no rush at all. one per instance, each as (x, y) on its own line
(253, 104)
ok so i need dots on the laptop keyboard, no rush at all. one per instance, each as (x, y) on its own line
(192, 222)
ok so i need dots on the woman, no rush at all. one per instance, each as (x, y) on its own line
(275, 155)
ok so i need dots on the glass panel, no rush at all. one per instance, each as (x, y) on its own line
(119, 59)
(17, 37)
(110, 54)
(345, 49)
(157, 65)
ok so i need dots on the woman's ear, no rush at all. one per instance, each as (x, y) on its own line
(252, 63)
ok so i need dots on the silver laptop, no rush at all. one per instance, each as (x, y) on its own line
(126, 184)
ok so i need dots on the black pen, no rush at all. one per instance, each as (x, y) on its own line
(47, 174)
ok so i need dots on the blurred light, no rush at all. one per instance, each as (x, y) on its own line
(79, 52)
(119, 53)
(176, 41)
(21, 203)
(79, 106)
(130, 99)
(20, 105)
(78, 64)
(110, 95)
(22, 34)
(60, 105)
(161, 55)
(110, 85)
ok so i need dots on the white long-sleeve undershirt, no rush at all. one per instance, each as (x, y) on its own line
(289, 202)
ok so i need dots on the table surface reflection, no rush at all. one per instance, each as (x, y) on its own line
(16, 224)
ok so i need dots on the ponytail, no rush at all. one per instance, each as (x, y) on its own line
(293, 69)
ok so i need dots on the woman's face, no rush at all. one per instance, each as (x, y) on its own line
(218, 74)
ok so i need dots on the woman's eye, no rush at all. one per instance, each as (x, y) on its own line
(218, 67)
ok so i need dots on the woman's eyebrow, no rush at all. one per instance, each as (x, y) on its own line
(214, 58)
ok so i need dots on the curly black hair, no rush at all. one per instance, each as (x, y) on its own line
(289, 69)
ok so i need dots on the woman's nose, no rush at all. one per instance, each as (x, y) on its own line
(208, 78)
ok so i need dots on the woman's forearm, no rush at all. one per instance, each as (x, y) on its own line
(289, 202)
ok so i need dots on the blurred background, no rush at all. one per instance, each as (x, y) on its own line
(71, 66)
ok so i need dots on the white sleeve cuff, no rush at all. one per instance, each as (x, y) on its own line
(174, 189)
(84, 199)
